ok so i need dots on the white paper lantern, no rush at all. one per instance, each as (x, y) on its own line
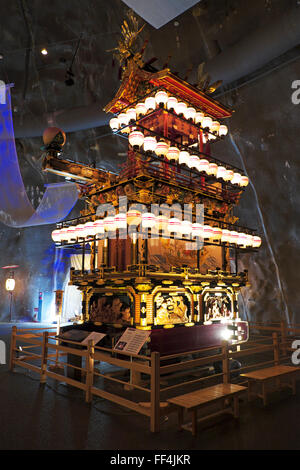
(173, 153)
(203, 165)
(181, 108)
(79, 231)
(185, 227)
(212, 169)
(197, 230)
(199, 117)
(241, 239)
(256, 242)
(98, 227)
(225, 236)
(208, 232)
(148, 220)
(190, 114)
(217, 233)
(244, 181)
(172, 103)
(193, 161)
(161, 98)
(184, 157)
(131, 113)
(221, 172)
(228, 175)
(89, 229)
(249, 240)
(150, 143)
(56, 236)
(134, 217)
(121, 220)
(140, 109)
(123, 119)
(233, 237)
(174, 225)
(161, 148)
(136, 138)
(223, 130)
(236, 178)
(114, 124)
(206, 122)
(150, 103)
(109, 224)
(63, 234)
(162, 222)
(215, 126)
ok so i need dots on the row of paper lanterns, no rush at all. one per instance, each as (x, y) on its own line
(149, 220)
(162, 149)
(162, 99)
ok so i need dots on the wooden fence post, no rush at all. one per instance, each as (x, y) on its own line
(276, 348)
(89, 370)
(225, 361)
(283, 337)
(43, 376)
(155, 392)
(13, 341)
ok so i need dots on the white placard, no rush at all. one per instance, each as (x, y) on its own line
(132, 340)
(94, 336)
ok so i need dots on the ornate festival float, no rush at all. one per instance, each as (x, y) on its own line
(162, 235)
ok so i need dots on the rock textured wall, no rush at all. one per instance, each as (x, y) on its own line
(264, 140)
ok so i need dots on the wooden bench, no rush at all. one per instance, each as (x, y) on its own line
(206, 396)
(265, 376)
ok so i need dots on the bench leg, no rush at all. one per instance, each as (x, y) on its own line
(194, 422)
(278, 383)
(236, 413)
(294, 385)
(249, 389)
(180, 418)
(264, 393)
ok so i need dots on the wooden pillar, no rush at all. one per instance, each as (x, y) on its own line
(142, 251)
(89, 370)
(224, 256)
(198, 259)
(83, 258)
(134, 249)
(155, 392)
(13, 342)
(283, 337)
(236, 260)
(105, 251)
(225, 361)
(93, 256)
(84, 306)
(43, 376)
(276, 348)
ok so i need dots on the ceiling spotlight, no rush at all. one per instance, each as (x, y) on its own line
(44, 51)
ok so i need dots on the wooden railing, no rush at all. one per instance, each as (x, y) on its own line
(261, 350)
